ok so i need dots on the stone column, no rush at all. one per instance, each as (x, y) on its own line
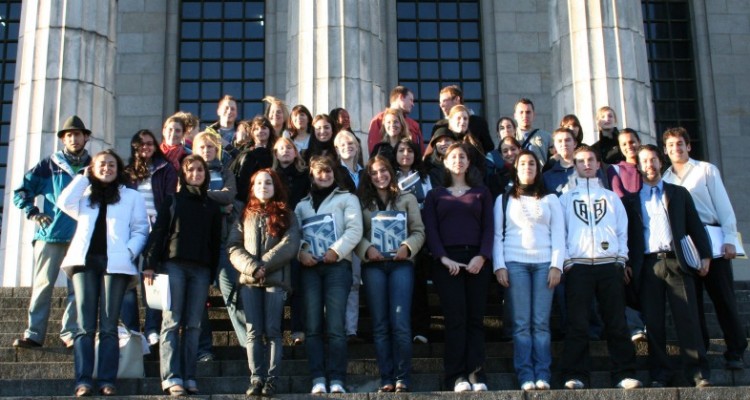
(66, 54)
(599, 58)
(336, 57)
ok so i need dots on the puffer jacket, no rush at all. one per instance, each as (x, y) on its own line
(250, 248)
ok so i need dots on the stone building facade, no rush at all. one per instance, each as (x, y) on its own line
(120, 65)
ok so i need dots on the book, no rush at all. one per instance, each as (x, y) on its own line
(158, 295)
(716, 237)
(690, 252)
(388, 231)
(319, 232)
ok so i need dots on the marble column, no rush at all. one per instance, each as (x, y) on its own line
(336, 57)
(599, 58)
(65, 66)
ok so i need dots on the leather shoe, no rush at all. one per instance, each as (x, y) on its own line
(108, 391)
(26, 343)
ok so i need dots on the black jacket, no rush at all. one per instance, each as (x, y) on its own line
(297, 183)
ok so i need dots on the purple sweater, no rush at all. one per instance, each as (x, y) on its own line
(466, 220)
(625, 179)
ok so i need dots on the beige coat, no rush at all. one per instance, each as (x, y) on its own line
(414, 241)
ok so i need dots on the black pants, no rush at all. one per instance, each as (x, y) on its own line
(719, 284)
(663, 279)
(420, 308)
(605, 283)
(463, 299)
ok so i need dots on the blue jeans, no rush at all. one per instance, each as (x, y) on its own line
(129, 313)
(47, 260)
(227, 280)
(264, 311)
(326, 286)
(98, 296)
(531, 302)
(188, 285)
(389, 286)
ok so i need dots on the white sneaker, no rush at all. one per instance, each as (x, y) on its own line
(541, 384)
(336, 388)
(153, 338)
(318, 388)
(638, 336)
(527, 386)
(479, 387)
(574, 384)
(629, 383)
(462, 387)
(420, 339)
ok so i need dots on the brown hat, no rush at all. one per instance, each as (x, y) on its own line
(73, 124)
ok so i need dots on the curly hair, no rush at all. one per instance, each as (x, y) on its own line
(368, 193)
(138, 167)
(275, 209)
(106, 193)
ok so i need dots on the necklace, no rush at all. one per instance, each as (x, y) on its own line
(457, 191)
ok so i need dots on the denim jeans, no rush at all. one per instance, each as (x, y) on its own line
(326, 286)
(188, 285)
(226, 278)
(47, 260)
(264, 311)
(531, 302)
(98, 296)
(389, 286)
(352, 301)
(129, 313)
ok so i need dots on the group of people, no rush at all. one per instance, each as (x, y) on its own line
(287, 207)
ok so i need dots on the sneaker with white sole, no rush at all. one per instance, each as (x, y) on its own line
(541, 384)
(479, 387)
(629, 383)
(574, 384)
(462, 387)
(638, 336)
(420, 339)
(528, 386)
(153, 338)
(319, 388)
(337, 388)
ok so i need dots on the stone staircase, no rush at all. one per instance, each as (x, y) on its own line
(48, 371)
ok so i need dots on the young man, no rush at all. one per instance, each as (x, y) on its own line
(226, 126)
(48, 178)
(452, 96)
(401, 99)
(607, 146)
(596, 242)
(532, 139)
(704, 183)
(560, 170)
(660, 216)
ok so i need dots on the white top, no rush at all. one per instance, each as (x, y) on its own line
(534, 232)
(703, 181)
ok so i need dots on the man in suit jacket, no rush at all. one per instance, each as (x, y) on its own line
(659, 216)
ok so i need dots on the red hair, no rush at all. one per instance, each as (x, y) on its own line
(276, 210)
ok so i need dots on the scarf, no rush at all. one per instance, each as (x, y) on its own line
(173, 154)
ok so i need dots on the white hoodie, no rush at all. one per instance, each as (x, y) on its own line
(596, 225)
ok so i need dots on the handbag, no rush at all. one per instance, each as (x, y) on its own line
(130, 365)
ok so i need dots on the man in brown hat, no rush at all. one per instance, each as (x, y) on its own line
(55, 229)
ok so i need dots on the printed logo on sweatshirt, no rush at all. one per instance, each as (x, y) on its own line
(581, 210)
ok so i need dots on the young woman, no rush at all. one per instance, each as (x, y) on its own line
(299, 128)
(440, 141)
(506, 126)
(409, 162)
(327, 278)
(277, 113)
(528, 258)
(184, 244)
(255, 155)
(172, 141)
(321, 143)
(341, 120)
(500, 165)
(155, 179)
(222, 189)
(389, 279)
(393, 130)
(111, 231)
(260, 247)
(571, 122)
(459, 228)
(624, 177)
(458, 123)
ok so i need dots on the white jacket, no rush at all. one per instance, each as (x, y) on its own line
(596, 226)
(347, 214)
(127, 226)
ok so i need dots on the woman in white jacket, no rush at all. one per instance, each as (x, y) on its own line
(327, 272)
(528, 255)
(111, 232)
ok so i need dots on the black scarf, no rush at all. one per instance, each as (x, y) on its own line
(526, 190)
(75, 160)
(320, 194)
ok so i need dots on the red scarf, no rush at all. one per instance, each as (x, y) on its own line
(174, 154)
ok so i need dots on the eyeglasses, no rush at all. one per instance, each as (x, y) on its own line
(151, 144)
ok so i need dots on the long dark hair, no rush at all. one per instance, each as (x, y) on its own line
(299, 108)
(418, 164)
(472, 179)
(276, 209)
(368, 193)
(106, 193)
(318, 148)
(334, 114)
(206, 178)
(259, 121)
(138, 167)
(537, 187)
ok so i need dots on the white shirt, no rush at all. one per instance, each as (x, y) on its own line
(703, 181)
